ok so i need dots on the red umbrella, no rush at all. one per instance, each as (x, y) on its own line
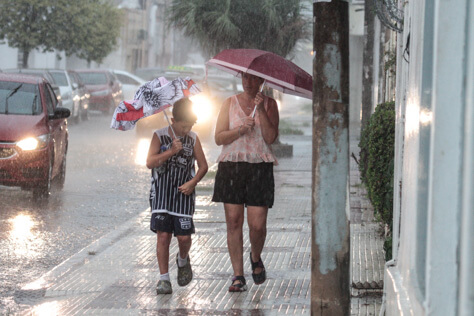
(279, 73)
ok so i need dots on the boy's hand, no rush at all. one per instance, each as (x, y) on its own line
(187, 188)
(176, 146)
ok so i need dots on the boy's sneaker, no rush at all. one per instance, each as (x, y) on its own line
(164, 287)
(185, 274)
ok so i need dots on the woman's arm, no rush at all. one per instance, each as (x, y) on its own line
(223, 135)
(188, 187)
(155, 157)
(269, 120)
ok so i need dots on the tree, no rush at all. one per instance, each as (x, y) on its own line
(94, 26)
(87, 27)
(24, 23)
(271, 25)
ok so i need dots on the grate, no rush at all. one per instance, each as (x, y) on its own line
(7, 153)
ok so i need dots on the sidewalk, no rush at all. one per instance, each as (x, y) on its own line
(117, 274)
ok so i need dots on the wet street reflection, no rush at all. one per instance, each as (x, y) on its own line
(24, 239)
(142, 151)
(107, 183)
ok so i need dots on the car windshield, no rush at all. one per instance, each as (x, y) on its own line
(59, 78)
(93, 78)
(19, 98)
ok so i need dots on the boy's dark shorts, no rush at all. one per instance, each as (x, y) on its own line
(179, 225)
(251, 184)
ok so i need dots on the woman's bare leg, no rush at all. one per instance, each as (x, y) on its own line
(234, 217)
(257, 221)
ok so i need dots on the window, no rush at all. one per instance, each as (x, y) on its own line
(50, 99)
(127, 80)
(19, 98)
(60, 78)
(93, 78)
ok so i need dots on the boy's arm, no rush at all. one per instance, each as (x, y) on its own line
(188, 187)
(155, 157)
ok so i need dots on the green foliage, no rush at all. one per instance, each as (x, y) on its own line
(99, 33)
(88, 28)
(387, 247)
(376, 163)
(272, 25)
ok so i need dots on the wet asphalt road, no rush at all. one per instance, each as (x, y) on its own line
(106, 185)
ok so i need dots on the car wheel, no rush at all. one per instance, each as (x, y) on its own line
(42, 190)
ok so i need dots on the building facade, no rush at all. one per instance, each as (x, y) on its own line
(432, 270)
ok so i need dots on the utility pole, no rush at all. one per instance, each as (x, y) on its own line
(330, 292)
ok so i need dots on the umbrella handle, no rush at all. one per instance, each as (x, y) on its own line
(255, 108)
(172, 130)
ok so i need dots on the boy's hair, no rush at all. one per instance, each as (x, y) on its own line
(183, 111)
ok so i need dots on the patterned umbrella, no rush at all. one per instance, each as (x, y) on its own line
(151, 98)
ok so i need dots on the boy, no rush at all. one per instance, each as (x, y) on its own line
(172, 190)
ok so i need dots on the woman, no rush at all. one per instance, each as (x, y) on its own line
(245, 173)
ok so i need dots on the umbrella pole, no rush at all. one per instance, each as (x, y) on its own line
(255, 108)
(169, 123)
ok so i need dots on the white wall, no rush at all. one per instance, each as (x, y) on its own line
(37, 59)
(9, 57)
(431, 153)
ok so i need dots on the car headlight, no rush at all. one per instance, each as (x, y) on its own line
(100, 93)
(202, 107)
(32, 143)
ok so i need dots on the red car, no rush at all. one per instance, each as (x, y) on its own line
(33, 134)
(104, 88)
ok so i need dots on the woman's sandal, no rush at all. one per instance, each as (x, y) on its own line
(238, 287)
(258, 278)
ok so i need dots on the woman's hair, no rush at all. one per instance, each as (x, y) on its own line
(183, 111)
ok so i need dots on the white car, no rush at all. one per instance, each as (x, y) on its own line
(130, 83)
(70, 94)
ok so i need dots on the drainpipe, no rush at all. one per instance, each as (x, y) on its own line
(330, 262)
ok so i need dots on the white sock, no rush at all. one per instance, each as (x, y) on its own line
(182, 262)
(165, 277)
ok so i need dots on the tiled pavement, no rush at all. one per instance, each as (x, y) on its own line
(117, 274)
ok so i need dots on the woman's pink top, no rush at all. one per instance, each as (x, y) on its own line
(250, 147)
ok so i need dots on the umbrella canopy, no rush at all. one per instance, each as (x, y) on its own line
(152, 97)
(279, 73)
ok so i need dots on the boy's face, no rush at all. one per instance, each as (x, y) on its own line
(181, 128)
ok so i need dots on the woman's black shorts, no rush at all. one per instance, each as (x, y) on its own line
(246, 183)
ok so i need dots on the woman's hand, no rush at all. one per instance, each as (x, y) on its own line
(258, 101)
(247, 125)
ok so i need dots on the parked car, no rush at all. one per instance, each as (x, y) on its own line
(104, 88)
(73, 92)
(33, 134)
(130, 83)
(82, 92)
(43, 73)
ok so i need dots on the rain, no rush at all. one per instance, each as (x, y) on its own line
(106, 180)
